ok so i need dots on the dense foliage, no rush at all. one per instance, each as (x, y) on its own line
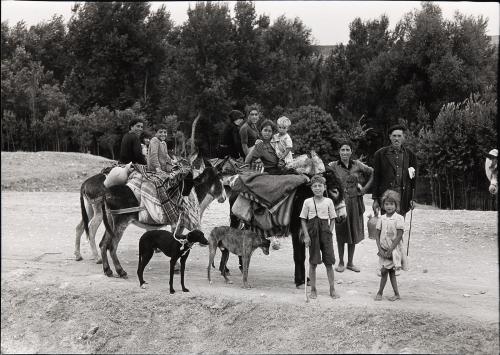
(74, 86)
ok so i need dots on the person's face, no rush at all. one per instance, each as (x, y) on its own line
(389, 207)
(282, 129)
(161, 134)
(397, 138)
(345, 152)
(253, 116)
(146, 141)
(318, 189)
(267, 132)
(137, 128)
(238, 122)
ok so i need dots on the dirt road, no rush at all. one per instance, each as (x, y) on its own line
(51, 303)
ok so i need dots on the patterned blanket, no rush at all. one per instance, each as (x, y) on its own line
(161, 194)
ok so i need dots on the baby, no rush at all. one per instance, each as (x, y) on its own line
(282, 142)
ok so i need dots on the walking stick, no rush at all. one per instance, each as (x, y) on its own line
(305, 279)
(409, 232)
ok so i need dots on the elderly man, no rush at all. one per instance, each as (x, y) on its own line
(394, 169)
(130, 150)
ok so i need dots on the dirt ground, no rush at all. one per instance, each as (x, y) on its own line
(51, 303)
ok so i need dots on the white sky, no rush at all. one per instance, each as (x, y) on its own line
(328, 20)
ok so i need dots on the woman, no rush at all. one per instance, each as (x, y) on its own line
(351, 230)
(158, 157)
(266, 151)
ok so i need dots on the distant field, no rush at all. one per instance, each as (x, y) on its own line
(48, 171)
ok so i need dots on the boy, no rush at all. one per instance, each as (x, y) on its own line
(317, 220)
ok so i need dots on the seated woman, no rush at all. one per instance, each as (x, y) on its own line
(265, 150)
(158, 157)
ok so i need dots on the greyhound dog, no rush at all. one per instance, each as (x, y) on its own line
(175, 248)
(237, 241)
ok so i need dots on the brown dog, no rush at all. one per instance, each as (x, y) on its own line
(240, 242)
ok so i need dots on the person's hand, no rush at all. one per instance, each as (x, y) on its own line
(281, 163)
(375, 206)
(307, 241)
(257, 141)
(339, 219)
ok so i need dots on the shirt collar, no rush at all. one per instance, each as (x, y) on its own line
(393, 150)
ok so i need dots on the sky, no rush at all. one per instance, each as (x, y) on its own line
(328, 20)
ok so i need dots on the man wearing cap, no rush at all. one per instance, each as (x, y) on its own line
(394, 169)
(231, 142)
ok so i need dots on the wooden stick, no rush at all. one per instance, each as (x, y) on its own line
(305, 278)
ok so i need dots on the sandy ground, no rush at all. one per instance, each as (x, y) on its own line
(52, 304)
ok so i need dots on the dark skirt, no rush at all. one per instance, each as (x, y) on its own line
(351, 230)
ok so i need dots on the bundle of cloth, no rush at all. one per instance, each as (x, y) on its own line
(160, 193)
(264, 201)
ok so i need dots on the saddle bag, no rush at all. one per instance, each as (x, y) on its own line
(242, 208)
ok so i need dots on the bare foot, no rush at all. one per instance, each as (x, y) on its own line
(394, 298)
(334, 295)
(340, 268)
(314, 295)
(378, 297)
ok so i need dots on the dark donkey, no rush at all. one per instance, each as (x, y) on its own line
(334, 190)
(208, 186)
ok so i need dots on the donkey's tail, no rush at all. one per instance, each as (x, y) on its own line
(109, 229)
(85, 217)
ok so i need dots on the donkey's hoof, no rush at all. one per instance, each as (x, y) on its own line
(98, 261)
(108, 273)
(78, 258)
(123, 274)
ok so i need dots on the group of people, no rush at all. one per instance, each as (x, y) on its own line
(391, 180)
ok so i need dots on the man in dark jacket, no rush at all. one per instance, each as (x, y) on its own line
(394, 168)
(130, 150)
(231, 142)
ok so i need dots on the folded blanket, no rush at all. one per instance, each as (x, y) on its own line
(270, 188)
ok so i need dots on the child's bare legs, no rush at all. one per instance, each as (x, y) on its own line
(329, 272)
(383, 281)
(340, 267)
(394, 283)
(312, 276)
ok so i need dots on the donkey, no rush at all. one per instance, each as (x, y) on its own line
(334, 190)
(91, 194)
(208, 186)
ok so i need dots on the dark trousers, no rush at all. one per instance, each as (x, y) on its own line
(299, 258)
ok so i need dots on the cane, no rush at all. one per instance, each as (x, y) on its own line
(306, 276)
(409, 231)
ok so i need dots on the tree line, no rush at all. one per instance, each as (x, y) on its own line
(73, 86)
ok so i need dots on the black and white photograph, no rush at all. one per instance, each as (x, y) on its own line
(249, 177)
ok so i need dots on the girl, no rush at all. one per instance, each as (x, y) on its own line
(282, 141)
(317, 219)
(158, 157)
(390, 228)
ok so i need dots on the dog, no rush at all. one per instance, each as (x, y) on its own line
(166, 242)
(240, 242)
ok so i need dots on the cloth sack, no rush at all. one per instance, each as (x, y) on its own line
(117, 176)
(372, 225)
(242, 208)
(318, 165)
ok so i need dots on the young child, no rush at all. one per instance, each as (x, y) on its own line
(318, 220)
(282, 142)
(158, 157)
(389, 236)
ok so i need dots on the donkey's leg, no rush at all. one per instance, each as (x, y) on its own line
(79, 232)
(94, 224)
(120, 226)
(104, 245)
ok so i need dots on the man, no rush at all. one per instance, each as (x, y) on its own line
(249, 132)
(131, 150)
(394, 169)
(231, 142)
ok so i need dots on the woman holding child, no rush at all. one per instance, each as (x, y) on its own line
(351, 230)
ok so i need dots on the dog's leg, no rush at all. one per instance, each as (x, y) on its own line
(246, 264)
(212, 249)
(173, 260)
(183, 267)
(144, 258)
(223, 262)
